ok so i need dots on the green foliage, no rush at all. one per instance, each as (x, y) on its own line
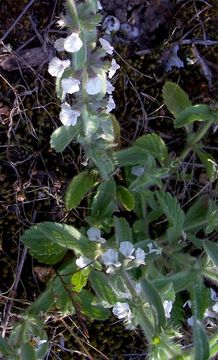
(63, 136)
(78, 188)
(175, 99)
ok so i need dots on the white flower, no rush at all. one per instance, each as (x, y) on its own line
(94, 85)
(70, 85)
(56, 66)
(68, 116)
(215, 307)
(94, 234)
(190, 321)
(122, 310)
(154, 250)
(114, 67)
(138, 288)
(127, 248)
(140, 256)
(168, 305)
(110, 104)
(137, 170)
(99, 5)
(110, 257)
(109, 87)
(83, 261)
(214, 295)
(59, 44)
(189, 303)
(106, 46)
(73, 43)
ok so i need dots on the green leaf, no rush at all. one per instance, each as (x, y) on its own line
(43, 303)
(200, 112)
(175, 99)
(102, 158)
(97, 312)
(78, 188)
(48, 242)
(101, 285)
(154, 145)
(132, 156)
(201, 347)
(90, 122)
(27, 352)
(122, 230)
(211, 249)
(149, 178)
(5, 349)
(196, 216)
(175, 215)
(209, 163)
(199, 297)
(62, 136)
(79, 279)
(125, 197)
(181, 280)
(155, 302)
(103, 204)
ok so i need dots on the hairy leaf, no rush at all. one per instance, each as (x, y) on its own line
(86, 300)
(102, 287)
(154, 145)
(211, 249)
(62, 136)
(125, 197)
(175, 99)
(48, 242)
(79, 279)
(122, 230)
(201, 342)
(103, 204)
(193, 113)
(209, 163)
(78, 188)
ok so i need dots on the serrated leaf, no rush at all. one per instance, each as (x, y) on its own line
(209, 163)
(201, 347)
(123, 231)
(90, 122)
(150, 178)
(132, 156)
(103, 204)
(102, 287)
(102, 158)
(211, 249)
(78, 188)
(5, 348)
(154, 145)
(175, 215)
(155, 302)
(175, 99)
(200, 112)
(62, 137)
(125, 197)
(86, 300)
(199, 297)
(79, 279)
(48, 242)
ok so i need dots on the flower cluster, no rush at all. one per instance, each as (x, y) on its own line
(94, 84)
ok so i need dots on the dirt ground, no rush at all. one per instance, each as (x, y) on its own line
(156, 41)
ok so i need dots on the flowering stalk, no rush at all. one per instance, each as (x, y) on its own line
(86, 76)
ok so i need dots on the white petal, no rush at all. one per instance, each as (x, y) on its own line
(56, 66)
(59, 44)
(110, 104)
(113, 69)
(94, 234)
(190, 321)
(215, 307)
(137, 170)
(168, 305)
(106, 46)
(99, 5)
(214, 295)
(68, 116)
(110, 257)
(127, 248)
(94, 85)
(73, 43)
(70, 85)
(109, 87)
(140, 256)
(83, 261)
(121, 310)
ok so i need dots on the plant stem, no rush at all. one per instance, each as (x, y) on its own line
(145, 322)
(198, 136)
